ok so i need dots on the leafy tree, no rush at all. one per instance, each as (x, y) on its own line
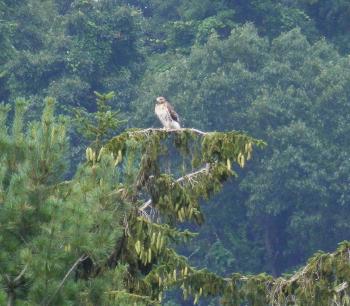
(272, 18)
(331, 19)
(68, 49)
(5, 37)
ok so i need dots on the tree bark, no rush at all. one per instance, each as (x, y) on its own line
(11, 298)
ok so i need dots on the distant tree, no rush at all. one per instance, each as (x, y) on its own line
(331, 19)
(49, 226)
(68, 49)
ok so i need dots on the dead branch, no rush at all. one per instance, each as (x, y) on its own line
(145, 131)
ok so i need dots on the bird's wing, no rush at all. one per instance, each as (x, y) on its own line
(172, 112)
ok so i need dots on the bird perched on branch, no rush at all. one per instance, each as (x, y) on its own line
(166, 114)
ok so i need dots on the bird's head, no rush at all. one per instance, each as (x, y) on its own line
(160, 100)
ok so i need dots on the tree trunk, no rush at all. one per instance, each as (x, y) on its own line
(11, 297)
(268, 241)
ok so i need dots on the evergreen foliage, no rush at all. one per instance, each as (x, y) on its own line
(50, 226)
(96, 240)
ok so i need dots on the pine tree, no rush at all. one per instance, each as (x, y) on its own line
(32, 164)
(53, 230)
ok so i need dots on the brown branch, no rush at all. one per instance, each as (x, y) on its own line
(79, 260)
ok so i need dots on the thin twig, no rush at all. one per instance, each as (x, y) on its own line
(79, 260)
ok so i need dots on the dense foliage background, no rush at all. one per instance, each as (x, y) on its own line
(279, 70)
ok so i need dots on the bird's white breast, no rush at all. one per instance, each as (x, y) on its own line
(164, 116)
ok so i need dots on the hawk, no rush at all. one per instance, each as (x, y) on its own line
(166, 114)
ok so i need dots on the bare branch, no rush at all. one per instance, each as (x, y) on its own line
(341, 287)
(145, 205)
(169, 130)
(191, 175)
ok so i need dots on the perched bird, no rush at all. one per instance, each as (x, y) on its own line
(166, 114)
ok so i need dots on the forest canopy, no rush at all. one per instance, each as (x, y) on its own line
(95, 197)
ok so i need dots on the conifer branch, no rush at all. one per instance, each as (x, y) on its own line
(188, 176)
(12, 285)
(15, 282)
(19, 276)
(133, 296)
(79, 260)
